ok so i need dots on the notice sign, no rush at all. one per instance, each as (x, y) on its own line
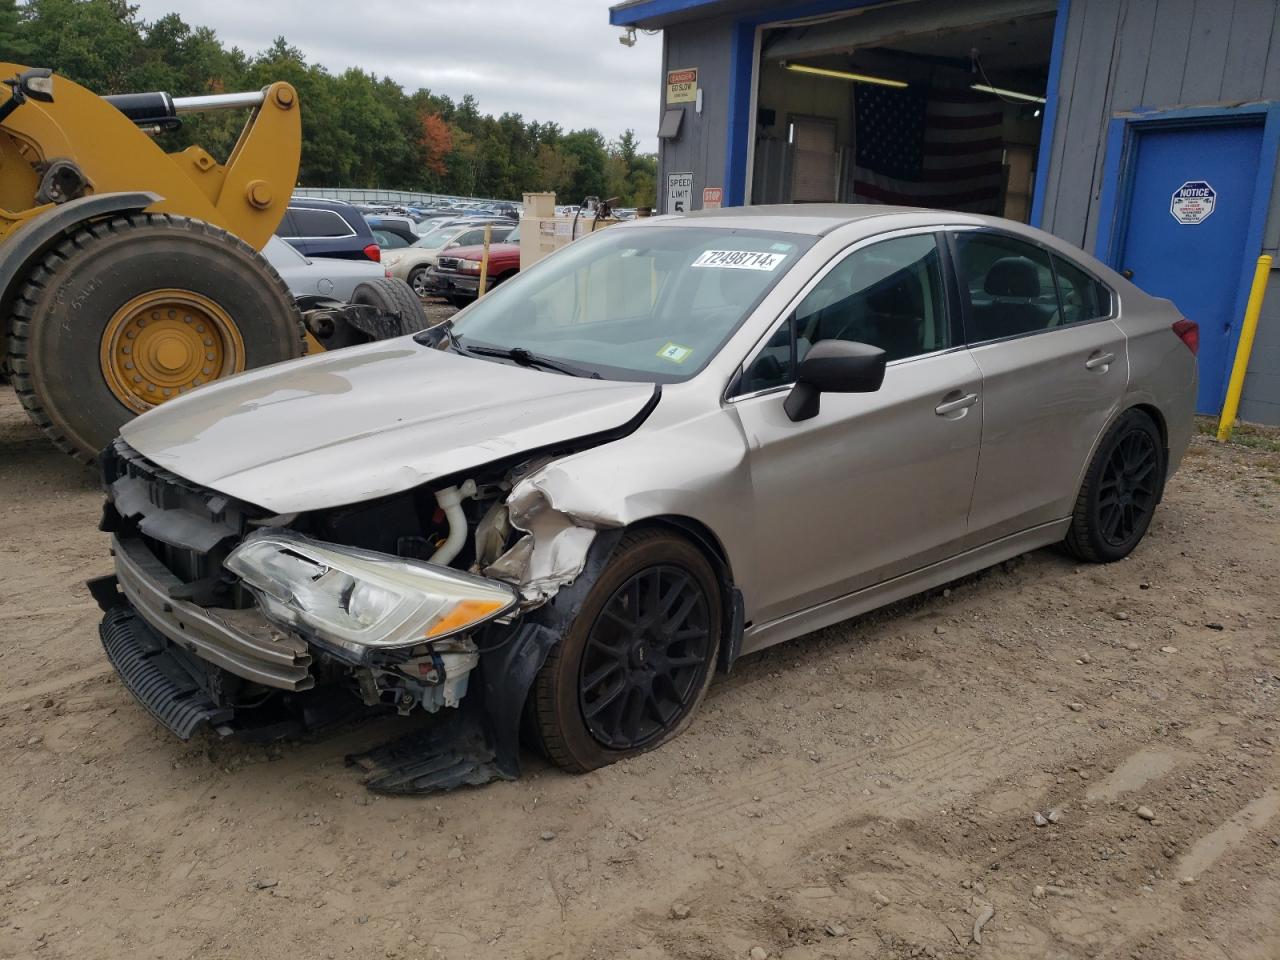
(712, 197)
(679, 192)
(682, 85)
(1193, 202)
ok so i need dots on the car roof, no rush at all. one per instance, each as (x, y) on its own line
(815, 219)
(317, 203)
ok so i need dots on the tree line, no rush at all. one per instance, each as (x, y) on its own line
(358, 129)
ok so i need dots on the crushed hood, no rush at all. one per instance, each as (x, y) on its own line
(369, 421)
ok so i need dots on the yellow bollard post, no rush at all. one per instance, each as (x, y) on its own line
(484, 260)
(1251, 313)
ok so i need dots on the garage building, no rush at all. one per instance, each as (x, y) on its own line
(1145, 132)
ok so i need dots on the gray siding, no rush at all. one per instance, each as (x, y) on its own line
(1260, 402)
(1123, 54)
(704, 137)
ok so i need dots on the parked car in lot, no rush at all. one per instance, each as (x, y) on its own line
(671, 443)
(388, 240)
(412, 264)
(404, 227)
(384, 229)
(328, 228)
(319, 276)
(456, 272)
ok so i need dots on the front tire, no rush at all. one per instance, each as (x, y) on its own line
(638, 658)
(1122, 486)
(418, 281)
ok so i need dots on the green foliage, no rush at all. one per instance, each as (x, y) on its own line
(358, 130)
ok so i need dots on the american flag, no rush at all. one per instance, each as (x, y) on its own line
(942, 148)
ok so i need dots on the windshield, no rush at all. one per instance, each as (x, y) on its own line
(651, 303)
(438, 237)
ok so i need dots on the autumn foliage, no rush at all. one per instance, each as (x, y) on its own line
(437, 143)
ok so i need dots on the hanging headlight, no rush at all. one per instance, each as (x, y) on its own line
(359, 599)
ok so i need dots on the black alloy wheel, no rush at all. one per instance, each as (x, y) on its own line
(1128, 488)
(646, 658)
(1121, 488)
(637, 658)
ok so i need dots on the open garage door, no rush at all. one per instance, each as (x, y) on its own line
(913, 103)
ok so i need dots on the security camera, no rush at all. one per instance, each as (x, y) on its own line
(628, 38)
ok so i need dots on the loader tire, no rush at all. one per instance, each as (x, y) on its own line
(394, 298)
(129, 312)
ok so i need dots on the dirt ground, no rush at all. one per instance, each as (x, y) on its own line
(866, 791)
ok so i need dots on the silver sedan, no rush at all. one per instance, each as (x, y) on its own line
(666, 446)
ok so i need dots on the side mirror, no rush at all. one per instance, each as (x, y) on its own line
(833, 366)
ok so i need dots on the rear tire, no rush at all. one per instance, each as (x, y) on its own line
(626, 678)
(69, 314)
(1122, 486)
(392, 296)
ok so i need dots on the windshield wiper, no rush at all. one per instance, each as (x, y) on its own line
(526, 358)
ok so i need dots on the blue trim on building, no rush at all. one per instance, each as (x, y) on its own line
(632, 16)
(1118, 166)
(1114, 160)
(1050, 111)
(741, 77)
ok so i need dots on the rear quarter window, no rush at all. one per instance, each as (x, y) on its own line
(318, 223)
(1083, 297)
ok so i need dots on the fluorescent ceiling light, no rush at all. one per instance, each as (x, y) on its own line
(844, 75)
(1002, 92)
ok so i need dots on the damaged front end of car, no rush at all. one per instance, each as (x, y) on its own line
(443, 599)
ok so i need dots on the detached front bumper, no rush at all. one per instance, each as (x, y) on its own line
(182, 661)
(241, 642)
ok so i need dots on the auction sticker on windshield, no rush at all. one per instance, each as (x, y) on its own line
(674, 352)
(739, 259)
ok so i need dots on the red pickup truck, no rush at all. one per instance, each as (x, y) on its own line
(456, 275)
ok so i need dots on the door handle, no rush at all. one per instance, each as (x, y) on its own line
(951, 406)
(1100, 360)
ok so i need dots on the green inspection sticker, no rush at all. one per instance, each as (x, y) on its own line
(675, 353)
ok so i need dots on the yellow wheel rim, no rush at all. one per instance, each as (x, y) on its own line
(166, 342)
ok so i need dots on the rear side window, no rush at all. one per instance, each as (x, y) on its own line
(1083, 298)
(318, 223)
(1009, 286)
(285, 229)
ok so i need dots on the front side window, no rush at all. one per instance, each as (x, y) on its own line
(1009, 286)
(652, 303)
(888, 295)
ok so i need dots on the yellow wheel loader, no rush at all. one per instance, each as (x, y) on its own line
(129, 276)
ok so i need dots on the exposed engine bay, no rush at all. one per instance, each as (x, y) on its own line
(249, 622)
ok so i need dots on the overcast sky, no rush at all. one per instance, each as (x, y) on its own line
(549, 60)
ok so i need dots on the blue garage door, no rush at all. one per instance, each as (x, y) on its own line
(1190, 199)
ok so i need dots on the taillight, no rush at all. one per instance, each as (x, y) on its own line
(1188, 332)
(373, 252)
